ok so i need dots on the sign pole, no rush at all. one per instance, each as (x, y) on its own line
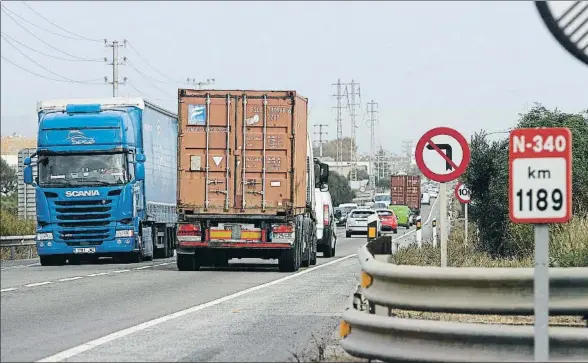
(466, 223)
(435, 232)
(541, 293)
(443, 222)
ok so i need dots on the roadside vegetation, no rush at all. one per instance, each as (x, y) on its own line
(493, 240)
(10, 224)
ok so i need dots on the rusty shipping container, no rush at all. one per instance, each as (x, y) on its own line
(406, 190)
(242, 152)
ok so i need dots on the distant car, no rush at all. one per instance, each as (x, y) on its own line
(380, 205)
(425, 198)
(388, 220)
(433, 193)
(403, 214)
(357, 221)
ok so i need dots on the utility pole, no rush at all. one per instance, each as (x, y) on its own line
(353, 100)
(199, 84)
(320, 133)
(115, 44)
(339, 119)
(372, 112)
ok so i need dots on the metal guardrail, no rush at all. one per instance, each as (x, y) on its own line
(16, 241)
(484, 291)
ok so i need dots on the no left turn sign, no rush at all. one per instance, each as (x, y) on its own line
(442, 154)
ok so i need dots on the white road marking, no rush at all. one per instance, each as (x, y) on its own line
(142, 268)
(39, 284)
(119, 271)
(70, 278)
(9, 289)
(148, 324)
(97, 274)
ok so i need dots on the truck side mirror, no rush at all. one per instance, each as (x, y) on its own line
(324, 177)
(139, 171)
(338, 214)
(141, 158)
(28, 172)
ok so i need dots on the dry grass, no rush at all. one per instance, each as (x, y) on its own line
(568, 248)
(488, 319)
(21, 252)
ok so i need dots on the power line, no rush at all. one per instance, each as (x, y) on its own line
(150, 65)
(147, 78)
(339, 119)
(49, 45)
(46, 69)
(57, 26)
(40, 75)
(40, 27)
(148, 96)
(38, 51)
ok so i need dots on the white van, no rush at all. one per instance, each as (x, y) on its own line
(325, 223)
(425, 198)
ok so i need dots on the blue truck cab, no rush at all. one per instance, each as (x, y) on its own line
(107, 179)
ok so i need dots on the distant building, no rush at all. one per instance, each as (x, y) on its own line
(10, 145)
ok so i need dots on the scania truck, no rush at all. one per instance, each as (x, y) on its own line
(106, 180)
(246, 179)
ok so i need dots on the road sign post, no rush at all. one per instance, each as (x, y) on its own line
(434, 232)
(462, 194)
(419, 232)
(442, 154)
(540, 192)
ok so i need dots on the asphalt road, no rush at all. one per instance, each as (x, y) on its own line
(152, 312)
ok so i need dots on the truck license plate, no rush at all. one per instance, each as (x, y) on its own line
(282, 236)
(85, 250)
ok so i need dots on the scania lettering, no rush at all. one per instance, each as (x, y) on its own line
(106, 180)
(82, 193)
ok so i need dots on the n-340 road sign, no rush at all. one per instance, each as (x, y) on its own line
(540, 175)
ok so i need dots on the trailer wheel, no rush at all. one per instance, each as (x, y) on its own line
(289, 260)
(307, 253)
(314, 251)
(187, 262)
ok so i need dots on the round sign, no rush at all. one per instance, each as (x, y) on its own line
(462, 193)
(442, 154)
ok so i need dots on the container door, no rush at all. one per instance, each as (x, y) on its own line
(206, 157)
(263, 152)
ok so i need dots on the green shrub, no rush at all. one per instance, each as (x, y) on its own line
(10, 225)
(568, 247)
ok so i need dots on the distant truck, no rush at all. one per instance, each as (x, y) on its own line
(406, 190)
(246, 179)
(106, 180)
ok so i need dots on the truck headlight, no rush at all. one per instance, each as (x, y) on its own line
(44, 236)
(124, 233)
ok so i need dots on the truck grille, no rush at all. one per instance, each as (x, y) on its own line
(83, 222)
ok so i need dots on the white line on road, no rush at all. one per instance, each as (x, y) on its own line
(142, 268)
(71, 278)
(148, 324)
(97, 274)
(9, 289)
(39, 284)
(119, 271)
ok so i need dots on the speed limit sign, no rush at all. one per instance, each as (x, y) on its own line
(462, 193)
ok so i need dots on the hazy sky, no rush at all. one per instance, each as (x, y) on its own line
(467, 65)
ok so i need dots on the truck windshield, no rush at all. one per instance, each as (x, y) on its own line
(68, 170)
